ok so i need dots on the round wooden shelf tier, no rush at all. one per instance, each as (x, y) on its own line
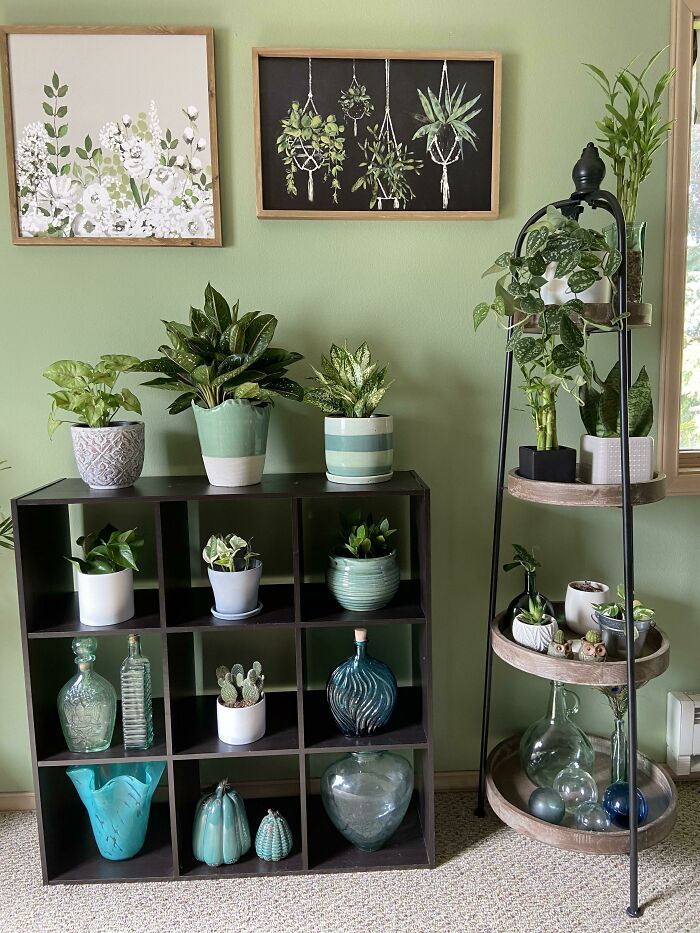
(652, 663)
(638, 315)
(583, 494)
(508, 790)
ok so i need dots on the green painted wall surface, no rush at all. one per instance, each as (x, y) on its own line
(406, 287)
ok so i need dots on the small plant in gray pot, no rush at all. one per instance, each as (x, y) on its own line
(234, 574)
(363, 573)
(359, 443)
(240, 707)
(108, 453)
(611, 620)
(600, 457)
(105, 575)
(534, 628)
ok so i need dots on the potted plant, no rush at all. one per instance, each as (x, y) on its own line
(534, 627)
(310, 142)
(105, 575)
(363, 573)
(355, 101)
(592, 647)
(109, 454)
(555, 358)
(223, 367)
(632, 130)
(384, 168)
(240, 708)
(612, 623)
(234, 574)
(600, 456)
(582, 597)
(359, 443)
(526, 560)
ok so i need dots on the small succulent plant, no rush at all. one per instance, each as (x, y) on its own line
(592, 647)
(348, 384)
(364, 537)
(536, 613)
(559, 646)
(239, 689)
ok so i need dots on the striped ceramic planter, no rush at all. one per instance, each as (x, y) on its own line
(359, 450)
(233, 438)
(363, 584)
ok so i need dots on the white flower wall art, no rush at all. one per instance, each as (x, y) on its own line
(111, 136)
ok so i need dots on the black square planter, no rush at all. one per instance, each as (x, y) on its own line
(550, 466)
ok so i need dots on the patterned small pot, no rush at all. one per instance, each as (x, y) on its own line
(363, 584)
(111, 457)
(536, 637)
(273, 840)
(233, 438)
(359, 450)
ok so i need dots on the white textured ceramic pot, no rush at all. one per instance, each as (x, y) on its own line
(599, 460)
(536, 637)
(580, 602)
(106, 598)
(111, 457)
(359, 450)
(242, 725)
(557, 291)
(236, 592)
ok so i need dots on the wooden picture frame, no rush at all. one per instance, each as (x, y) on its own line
(49, 201)
(279, 77)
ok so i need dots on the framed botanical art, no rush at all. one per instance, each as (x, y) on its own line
(111, 135)
(383, 135)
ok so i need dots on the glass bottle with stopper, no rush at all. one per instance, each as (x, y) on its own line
(87, 703)
(361, 692)
(137, 706)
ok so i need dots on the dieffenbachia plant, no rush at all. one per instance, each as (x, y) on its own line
(348, 383)
(600, 410)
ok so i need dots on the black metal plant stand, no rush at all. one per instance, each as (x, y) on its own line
(588, 174)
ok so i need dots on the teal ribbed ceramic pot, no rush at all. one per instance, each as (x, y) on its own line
(359, 450)
(233, 438)
(363, 583)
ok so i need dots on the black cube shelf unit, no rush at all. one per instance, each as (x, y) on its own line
(299, 725)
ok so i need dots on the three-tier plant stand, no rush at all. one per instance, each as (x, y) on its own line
(501, 778)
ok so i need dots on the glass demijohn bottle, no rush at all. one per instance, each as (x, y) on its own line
(137, 711)
(87, 704)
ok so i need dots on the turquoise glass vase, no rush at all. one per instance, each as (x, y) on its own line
(118, 801)
(361, 692)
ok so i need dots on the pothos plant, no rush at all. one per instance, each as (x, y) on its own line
(223, 552)
(555, 358)
(310, 142)
(384, 168)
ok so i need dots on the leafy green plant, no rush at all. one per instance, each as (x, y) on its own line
(536, 613)
(355, 102)
(452, 113)
(222, 552)
(385, 166)
(239, 689)
(220, 355)
(616, 610)
(600, 411)
(108, 550)
(348, 384)
(632, 129)
(6, 535)
(363, 537)
(522, 558)
(86, 390)
(554, 359)
(308, 138)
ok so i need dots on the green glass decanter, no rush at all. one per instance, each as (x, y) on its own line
(87, 704)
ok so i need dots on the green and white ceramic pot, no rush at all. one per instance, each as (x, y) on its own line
(233, 438)
(359, 450)
(363, 584)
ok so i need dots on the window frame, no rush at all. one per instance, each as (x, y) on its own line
(682, 468)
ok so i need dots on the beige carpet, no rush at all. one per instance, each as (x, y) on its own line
(488, 879)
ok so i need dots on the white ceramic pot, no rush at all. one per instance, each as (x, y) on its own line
(236, 592)
(359, 450)
(536, 637)
(240, 726)
(111, 457)
(599, 460)
(557, 291)
(578, 607)
(106, 598)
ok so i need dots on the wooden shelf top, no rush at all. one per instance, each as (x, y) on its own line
(508, 790)
(653, 662)
(638, 315)
(580, 494)
(183, 488)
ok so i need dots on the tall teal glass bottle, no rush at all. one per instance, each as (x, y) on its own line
(361, 691)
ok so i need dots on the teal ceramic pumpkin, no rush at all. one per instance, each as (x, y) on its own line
(221, 834)
(273, 840)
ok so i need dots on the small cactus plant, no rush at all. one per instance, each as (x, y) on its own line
(239, 689)
(559, 646)
(592, 647)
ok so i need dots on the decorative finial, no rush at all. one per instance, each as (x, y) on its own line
(589, 171)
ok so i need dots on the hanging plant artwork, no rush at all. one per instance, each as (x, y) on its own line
(311, 143)
(355, 102)
(386, 162)
(446, 124)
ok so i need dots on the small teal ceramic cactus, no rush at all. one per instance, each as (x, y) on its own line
(559, 647)
(273, 840)
(592, 647)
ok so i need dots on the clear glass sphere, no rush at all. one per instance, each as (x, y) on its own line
(592, 818)
(576, 786)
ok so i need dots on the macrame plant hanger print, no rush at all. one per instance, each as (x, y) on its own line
(356, 110)
(306, 158)
(446, 151)
(387, 130)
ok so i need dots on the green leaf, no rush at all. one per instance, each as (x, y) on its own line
(136, 193)
(481, 312)
(68, 374)
(130, 402)
(571, 336)
(54, 81)
(216, 308)
(582, 279)
(564, 358)
(536, 239)
(527, 350)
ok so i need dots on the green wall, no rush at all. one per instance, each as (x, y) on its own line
(408, 288)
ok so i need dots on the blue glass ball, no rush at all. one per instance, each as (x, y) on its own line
(616, 804)
(546, 804)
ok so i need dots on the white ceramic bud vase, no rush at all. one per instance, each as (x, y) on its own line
(240, 725)
(580, 603)
(106, 598)
(536, 637)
